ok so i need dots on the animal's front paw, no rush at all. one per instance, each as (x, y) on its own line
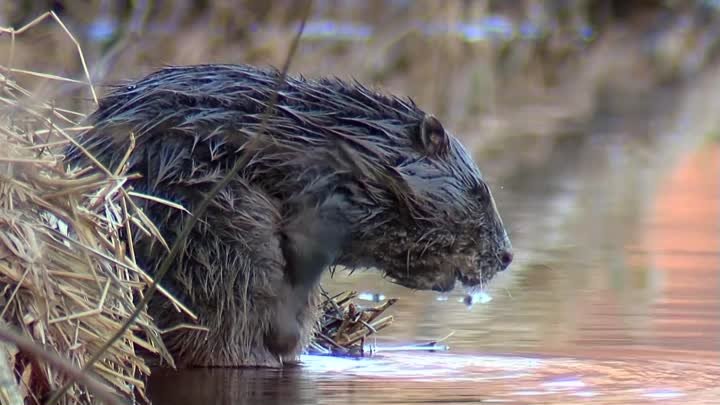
(283, 336)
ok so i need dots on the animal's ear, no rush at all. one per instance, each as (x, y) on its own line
(433, 137)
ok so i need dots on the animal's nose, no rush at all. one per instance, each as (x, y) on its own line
(506, 257)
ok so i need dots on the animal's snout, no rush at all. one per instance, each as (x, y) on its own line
(506, 257)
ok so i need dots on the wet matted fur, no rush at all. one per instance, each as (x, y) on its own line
(349, 176)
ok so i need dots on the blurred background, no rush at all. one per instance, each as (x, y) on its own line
(596, 125)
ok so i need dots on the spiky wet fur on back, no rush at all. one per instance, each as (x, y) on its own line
(420, 213)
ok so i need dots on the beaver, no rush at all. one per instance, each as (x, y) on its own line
(349, 176)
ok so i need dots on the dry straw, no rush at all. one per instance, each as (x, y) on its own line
(68, 279)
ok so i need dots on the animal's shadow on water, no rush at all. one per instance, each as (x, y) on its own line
(227, 386)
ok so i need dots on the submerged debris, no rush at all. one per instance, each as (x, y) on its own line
(431, 346)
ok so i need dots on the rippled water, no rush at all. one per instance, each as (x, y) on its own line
(449, 379)
(614, 297)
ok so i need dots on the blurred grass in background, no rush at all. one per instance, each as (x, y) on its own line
(489, 69)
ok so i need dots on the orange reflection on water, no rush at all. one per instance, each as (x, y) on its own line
(682, 238)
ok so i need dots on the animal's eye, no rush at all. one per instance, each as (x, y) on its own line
(482, 193)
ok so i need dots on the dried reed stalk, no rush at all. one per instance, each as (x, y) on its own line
(68, 279)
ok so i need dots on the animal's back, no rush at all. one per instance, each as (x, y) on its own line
(346, 176)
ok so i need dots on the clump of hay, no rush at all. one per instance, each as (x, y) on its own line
(68, 278)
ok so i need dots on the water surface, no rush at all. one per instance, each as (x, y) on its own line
(614, 297)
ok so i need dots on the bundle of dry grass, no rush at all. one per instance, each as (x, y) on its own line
(345, 325)
(68, 278)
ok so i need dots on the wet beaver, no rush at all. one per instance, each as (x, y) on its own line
(349, 177)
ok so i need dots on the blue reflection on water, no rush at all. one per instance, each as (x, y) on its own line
(528, 30)
(663, 394)
(424, 366)
(585, 394)
(564, 383)
(370, 296)
(102, 29)
(336, 30)
(493, 28)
